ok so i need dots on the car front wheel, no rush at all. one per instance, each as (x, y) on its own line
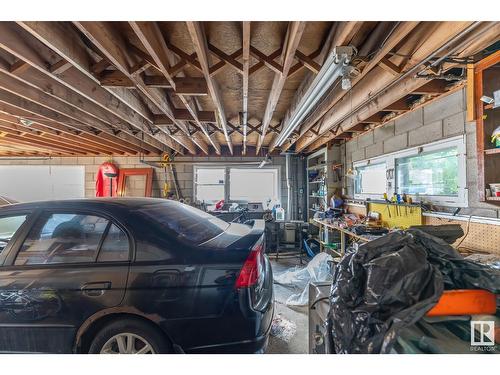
(129, 336)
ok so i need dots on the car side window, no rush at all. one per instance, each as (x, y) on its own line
(115, 246)
(63, 238)
(8, 227)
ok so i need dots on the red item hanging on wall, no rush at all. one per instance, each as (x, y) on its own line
(103, 183)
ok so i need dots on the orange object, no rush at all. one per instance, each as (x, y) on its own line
(464, 302)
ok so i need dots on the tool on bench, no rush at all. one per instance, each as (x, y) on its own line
(388, 204)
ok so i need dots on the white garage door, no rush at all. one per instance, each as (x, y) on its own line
(26, 183)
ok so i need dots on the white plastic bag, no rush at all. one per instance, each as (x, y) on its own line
(317, 270)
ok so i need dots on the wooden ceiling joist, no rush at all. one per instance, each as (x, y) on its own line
(322, 54)
(15, 104)
(229, 59)
(246, 75)
(442, 33)
(152, 39)
(93, 143)
(78, 117)
(114, 48)
(292, 40)
(342, 37)
(201, 47)
(81, 80)
(129, 88)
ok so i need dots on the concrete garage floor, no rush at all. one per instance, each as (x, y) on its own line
(298, 344)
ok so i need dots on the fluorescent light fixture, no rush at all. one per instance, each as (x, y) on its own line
(330, 71)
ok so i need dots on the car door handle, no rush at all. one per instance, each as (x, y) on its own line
(96, 289)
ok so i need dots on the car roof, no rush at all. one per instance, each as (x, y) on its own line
(96, 203)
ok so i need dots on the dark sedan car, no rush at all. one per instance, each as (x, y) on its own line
(131, 276)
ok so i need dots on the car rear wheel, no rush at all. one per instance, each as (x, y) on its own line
(129, 337)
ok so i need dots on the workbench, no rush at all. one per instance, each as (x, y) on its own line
(344, 233)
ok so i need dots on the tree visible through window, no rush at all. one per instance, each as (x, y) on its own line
(432, 173)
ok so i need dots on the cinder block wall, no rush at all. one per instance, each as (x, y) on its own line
(184, 171)
(441, 119)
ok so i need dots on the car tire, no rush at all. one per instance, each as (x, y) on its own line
(115, 338)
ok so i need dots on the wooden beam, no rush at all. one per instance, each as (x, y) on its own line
(55, 139)
(225, 57)
(185, 115)
(436, 86)
(110, 142)
(150, 35)
(39, 144)
(53, 90)
(80, 80)
(190, 59)
(152, 39)
(399, 33)
(322, 54)
(308, 62)
(25, 104)
(115, 78)
(203, 116)
(400, 105)
(184, 85)
(378, 79)
(259, 65)
(246, 75)
(100, 66)
(266, 60)
(60, 67)
(79, 119)
(389, 66)
(66, 133)
(292, 40)
(111, 44)
(200, 44)
(408, 85)
(19, 66)
(470, 96)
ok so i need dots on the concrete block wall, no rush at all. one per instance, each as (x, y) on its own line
(184, 171)
(441, 119)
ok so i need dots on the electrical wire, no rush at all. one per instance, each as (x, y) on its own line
(385, 40)
(466, 233)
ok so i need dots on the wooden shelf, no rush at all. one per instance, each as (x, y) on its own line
(493, 199)
(492, 151)
(315, 167)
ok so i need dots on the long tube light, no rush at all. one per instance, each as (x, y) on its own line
(331, 70)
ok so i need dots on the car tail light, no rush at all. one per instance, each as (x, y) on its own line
(250, 272)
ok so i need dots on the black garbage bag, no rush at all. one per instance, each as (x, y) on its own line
(390, 283)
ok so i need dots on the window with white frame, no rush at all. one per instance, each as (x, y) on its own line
(370, 179)
(253, 184)
(435, 172)
(210, 184)
(236, 184)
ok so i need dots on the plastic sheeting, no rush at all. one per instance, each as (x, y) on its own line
(317, 270)
(390, 283)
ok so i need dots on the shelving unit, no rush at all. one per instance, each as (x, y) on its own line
(320, 178)
(483, 79)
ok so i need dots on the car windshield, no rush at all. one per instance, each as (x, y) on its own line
(191, 225)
